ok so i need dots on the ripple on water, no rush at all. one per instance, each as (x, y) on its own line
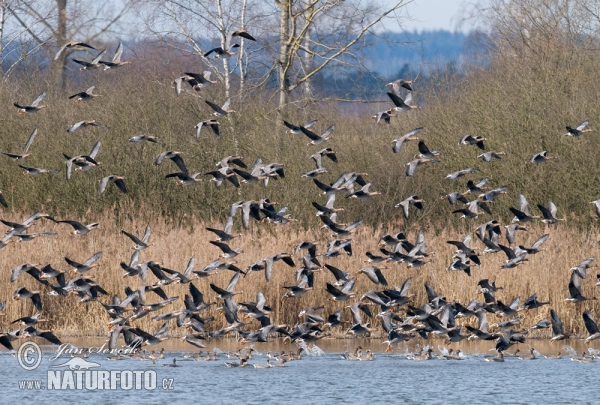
(329, 379)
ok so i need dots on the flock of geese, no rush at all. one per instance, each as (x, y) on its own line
(401, 319)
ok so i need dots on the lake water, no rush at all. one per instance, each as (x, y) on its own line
(324, 377)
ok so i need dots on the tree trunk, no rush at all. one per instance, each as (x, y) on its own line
(223, 31)
(284, 55)
(61, 39)
(2, 17)
(242, 55)
(307, 64)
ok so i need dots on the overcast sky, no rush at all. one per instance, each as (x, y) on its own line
(438, 14)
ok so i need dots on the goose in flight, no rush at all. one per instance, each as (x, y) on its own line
(33, 107)
(143, 137)
(513, 260)
(410, 136)
(175, 158)
(476, 187)
(78, 227)
(83, 124)
(220, 111)
(296, 291)
(412, 200)
(460, 173)
(596, 207)
(296, 129)
(540, 157)
(140, 244)
(117, 180)
(75, 45)
(581, 268)
(452, 198)
(228, 47)
(339, 231)
(558, 331)
(535, 248)
(411, 167)
(400, 104)
(363, 193)
(473, 140)
(228, 253)
(232, 160)
(471, 210)
(84, 162)
(397, 84)
(23, 293)
(211, 123)
(84, 95)
(20, 156)
(549, 214)
(94, 64)
(579, 130)
(224, 173)
(116, 60)
(523, 214)
(374, 274)
(45, 334)
(197, 80)
(575, 291)
(490, 195)
(185, 179)
(489, 156)
(34, 171)
(425, 153)
(318, 157)
(220, 52)
(318, 139)
(80, 268)
(343, 294)
(591, 326)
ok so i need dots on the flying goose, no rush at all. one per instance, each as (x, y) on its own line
(86, 123)
(412, 200)
(76, 45)
(94, 64)
(33, 107)
(84, 95)
(116, 60)
(220, 111)
(117, 180)
(410, 136)
(297, 129)
(579, 130)
(20, 156)
(540, 157)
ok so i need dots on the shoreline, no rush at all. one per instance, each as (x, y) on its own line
(336, 345)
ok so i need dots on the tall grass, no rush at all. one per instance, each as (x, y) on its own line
(546, 274)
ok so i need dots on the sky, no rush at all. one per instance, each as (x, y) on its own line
(438, 14)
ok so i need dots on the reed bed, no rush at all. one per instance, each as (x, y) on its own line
(547, 273)
(520, 102)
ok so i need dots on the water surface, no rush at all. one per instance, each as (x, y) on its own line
(327, 378)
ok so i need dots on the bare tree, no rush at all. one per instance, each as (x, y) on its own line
(197, 20)
(52, 23)
(541, 27)
(325, 31)
(297, 39)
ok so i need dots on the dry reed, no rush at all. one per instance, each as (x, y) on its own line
(546, 274)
